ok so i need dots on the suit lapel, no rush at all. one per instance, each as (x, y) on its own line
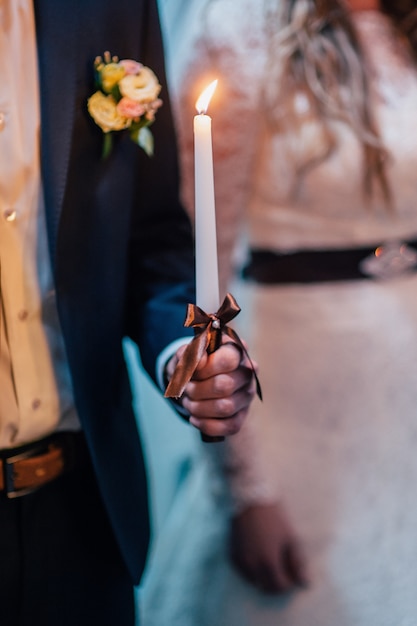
(56, 28)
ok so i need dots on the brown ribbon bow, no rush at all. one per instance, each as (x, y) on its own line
(208, 329)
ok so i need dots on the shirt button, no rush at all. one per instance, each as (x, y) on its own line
(2, 121)
(10, 215)
(22, 315)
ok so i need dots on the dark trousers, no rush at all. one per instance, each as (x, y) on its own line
(59, 562)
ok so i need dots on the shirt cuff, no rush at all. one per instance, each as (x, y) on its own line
(161, 362)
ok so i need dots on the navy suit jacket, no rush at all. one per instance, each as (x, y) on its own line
(120, 242)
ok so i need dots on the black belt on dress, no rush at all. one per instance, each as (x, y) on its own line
(311, 266)
(29, 467)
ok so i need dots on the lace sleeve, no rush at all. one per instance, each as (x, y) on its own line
(239, 468)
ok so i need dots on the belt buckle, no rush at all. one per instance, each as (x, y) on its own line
(9, 488)
(389, 260)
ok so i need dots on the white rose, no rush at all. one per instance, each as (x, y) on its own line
(141, 87)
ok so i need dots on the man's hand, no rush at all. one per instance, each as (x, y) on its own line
(266, 550)
(220, 391)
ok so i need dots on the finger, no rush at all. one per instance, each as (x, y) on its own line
(273, 578)
(297, 564)
(269, 575)
(221, 407)
(226, 359)
(219, 386)
(235, 346)
(215, 427)
(266, 573)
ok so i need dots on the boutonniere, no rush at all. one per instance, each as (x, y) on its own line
(126, 100)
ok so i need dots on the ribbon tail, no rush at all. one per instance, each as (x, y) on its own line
(214, 339)
(233, 335)
(187, 364)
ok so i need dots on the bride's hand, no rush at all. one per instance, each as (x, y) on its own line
(266, 550)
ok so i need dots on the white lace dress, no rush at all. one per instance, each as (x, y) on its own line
(336, 435)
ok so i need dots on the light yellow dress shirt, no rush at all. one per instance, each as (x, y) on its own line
(35, 387)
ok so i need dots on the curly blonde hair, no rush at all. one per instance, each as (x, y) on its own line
(314, 50)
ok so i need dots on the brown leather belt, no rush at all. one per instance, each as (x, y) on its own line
(25, 469)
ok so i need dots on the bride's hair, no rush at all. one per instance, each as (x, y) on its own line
(404, 15)
(316, 60)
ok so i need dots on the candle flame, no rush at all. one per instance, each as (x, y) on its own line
(204, 100)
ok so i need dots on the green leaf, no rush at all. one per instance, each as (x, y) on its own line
(115, 92)
(144, 138)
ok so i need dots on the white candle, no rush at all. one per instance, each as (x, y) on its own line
(207, 278)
